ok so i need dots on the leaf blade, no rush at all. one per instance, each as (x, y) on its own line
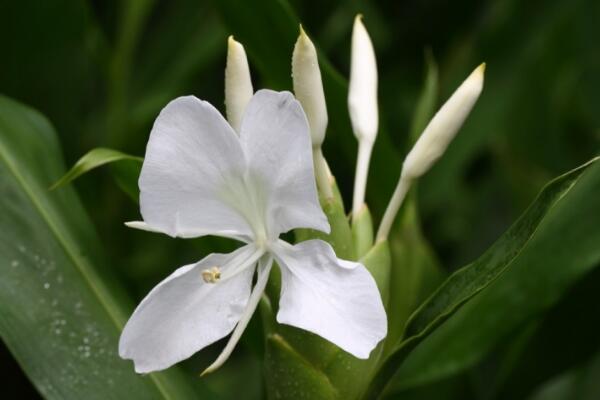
(50, 289)
(563, 251)
(93, 159)
(470, 280)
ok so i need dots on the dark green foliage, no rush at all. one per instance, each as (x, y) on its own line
(517, 321)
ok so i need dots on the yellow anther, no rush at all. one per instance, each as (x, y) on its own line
(211, 275)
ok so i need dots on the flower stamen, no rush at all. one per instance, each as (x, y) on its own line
(211, 275)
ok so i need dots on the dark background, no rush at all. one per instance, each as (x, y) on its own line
(101, 71)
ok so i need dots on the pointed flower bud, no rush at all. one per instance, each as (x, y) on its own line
(238, 84)
(443, 126)
(433, 142)
(362, 106)
(308, 87)
(362, 94)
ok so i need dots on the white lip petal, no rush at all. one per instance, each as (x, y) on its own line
(276, 140)
(184, 314)
(335, 299)
(192, 157)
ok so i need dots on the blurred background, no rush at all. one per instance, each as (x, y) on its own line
(102, 70)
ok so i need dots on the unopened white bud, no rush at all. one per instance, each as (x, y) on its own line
(238, 84)
(308, 87)
(443, 126)
(362, 106)
(362, 93)
(433, 142)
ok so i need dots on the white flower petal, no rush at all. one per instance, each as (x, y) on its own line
(335, 299)
(264, 268)
(184, 314)
(276, 140)
(142, 226)
(193, 162)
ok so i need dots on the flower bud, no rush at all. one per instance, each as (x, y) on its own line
(238, 84)
(362, 106)
(308, 87)
(432, 143)
(443, 126)
(362, 94)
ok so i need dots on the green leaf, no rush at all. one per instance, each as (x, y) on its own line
(290, 376)
(60, 315)
(94, 159)
(563, 249)
(566, 204)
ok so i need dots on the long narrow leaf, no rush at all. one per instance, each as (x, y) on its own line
(472, 279)
(93, 159)
(60, 315)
